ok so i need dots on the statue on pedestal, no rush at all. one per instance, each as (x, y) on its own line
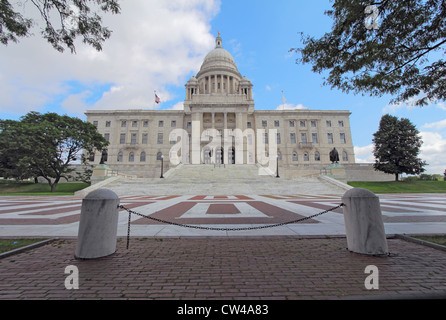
(334, 156)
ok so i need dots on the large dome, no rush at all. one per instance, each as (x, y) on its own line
(218, 60)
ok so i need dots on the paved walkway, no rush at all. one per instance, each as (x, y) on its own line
(59, 216)
(226, 268)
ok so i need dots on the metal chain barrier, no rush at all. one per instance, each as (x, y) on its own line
(219, 229)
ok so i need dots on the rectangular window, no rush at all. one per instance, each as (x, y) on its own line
(189, 125)
(342, 137)
(278, 138)
(145, 124)
(276, 123)
(341, 123)
(123, 124)
(95, 123)
(160, 138)
(303, 137)
(264, 123)
(293, 137)
(161, 123)
(292, 124)
(133, 138)
(314, 137)
(248, 125)
(328, 122)
(330, 138)
(302, 123)
(313, 123)
(173, 123)
(134, 124)
(107, 136)
(108, 124)
(145, 138)
(265, 138)
(122, 138)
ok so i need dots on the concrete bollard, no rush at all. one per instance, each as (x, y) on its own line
(98, 225)
(363, 222)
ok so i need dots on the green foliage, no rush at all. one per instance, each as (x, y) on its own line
(45, 145)
(75, 18)
(397, 145)
(403, 56)
(401, 186)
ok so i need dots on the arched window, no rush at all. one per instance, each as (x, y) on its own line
(294, 156)
(120, 156)
(306, 156)
(158, 156)
(142, 157)
(317, 156)
(131, 157)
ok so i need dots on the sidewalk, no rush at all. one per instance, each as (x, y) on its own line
(225, 268)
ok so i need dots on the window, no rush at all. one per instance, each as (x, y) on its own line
(293, 137)
(120, 156)
(159, 156)
(134, 124)
(173, 123)
(342, 137)
(91, 158)
(264, 123)
(161, 123)
(292, 124)
(131, 157)
(341, 123)
(294, 156)
(330, 138)
(160, 138)
(145, 138)
(145, 124)
(122, 138)
(302, 123)
(344, 156)
(107, 136)
(314, 137)
(317, 156)
(189, 125)
(133, 138)
(95, 123)
(306, 156)
(265, 138)
(279, 155)
(278, 138)
(276, 123)
(108, 124)
(303, 138)
(313, 123)
(248, 124)
(142, 157)
(123, 124)
(328, 123)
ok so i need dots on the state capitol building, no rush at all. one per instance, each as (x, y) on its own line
(219, 125)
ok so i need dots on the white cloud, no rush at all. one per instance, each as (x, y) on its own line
(289, 106)
(154, 44)
(438, 125)
(364, 154)
(178, 106)
(433, 151)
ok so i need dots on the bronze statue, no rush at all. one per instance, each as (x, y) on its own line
(104, 156)
(334, 156)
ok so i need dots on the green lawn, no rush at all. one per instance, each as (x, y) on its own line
(435, 239)
(11, 244)
(402, 186)
(8, 187)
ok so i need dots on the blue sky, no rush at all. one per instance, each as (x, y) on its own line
(159, 44)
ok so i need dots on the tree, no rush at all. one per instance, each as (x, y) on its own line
(397, 145)
(401, 52)
(45, 145)
(72, 18)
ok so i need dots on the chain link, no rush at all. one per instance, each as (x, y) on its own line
(220, 229)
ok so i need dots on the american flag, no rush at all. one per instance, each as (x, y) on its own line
(157, 99)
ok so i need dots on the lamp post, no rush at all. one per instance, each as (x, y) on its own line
(162, 165)
(277, 168)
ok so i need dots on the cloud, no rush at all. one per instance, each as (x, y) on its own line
(433, 151)
(155, 44)
(436, 125)
(364, 154)
(289, 106)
